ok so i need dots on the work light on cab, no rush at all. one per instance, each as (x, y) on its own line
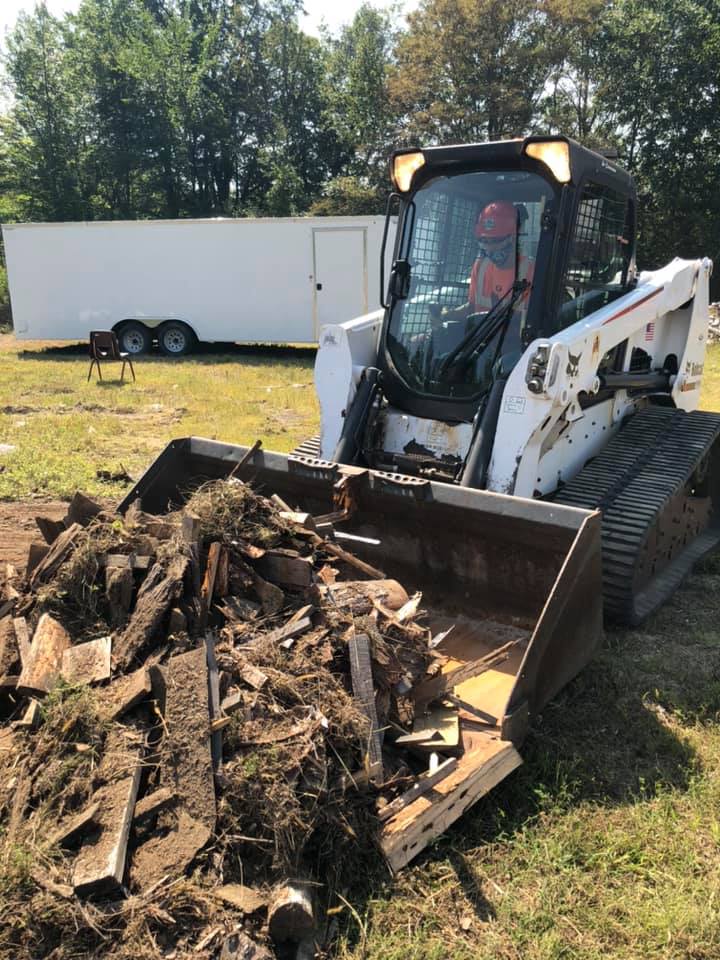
(555, 154)
(404, 167)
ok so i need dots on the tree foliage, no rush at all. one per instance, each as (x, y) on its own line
(176, 108)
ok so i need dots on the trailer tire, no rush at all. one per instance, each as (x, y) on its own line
(175, 339)
(135, 338)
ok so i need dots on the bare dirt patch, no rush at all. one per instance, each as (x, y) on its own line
(18, 529)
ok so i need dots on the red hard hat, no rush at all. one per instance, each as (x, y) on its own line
(497, 219)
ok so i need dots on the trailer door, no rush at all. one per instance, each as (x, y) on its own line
(341, 276)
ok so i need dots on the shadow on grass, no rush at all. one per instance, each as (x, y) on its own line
(204, 353)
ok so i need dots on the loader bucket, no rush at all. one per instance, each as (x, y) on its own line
(495, 571)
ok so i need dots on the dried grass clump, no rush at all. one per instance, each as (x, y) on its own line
(234, 511)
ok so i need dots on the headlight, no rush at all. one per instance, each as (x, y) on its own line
(555, 154)
(404, 166)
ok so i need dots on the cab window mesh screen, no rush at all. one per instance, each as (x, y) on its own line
(442, 253)
(599, 254)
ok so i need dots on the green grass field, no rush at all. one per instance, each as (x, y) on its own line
(64, 429)
(605, 844)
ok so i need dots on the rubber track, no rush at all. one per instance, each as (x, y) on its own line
(308, 448)
(643, 467)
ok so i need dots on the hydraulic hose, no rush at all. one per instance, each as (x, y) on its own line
(349, 445)
(478, 461)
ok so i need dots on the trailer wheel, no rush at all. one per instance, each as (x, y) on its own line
(176, 339)
(134, 338)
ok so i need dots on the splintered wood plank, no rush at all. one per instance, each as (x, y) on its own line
(100, 864)
(484, 764)
(471, 640)
(152, 604)
(44, 661)
(22, 635)
(364, 693)
(55, 556)
(186, 769)
(423, 783)
(208, 585)
(334, 550)
(447, 681)
(87, 662)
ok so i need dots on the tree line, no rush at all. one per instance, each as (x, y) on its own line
(197, 108)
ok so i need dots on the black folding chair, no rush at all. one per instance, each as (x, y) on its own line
(104, 346)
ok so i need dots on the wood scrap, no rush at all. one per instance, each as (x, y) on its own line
(208, 585)
(245, 458)
(336, 551)
(129, 561)
(186, 768)
(125, 693)
(42, 669)
(50, 529)
(290, 630)
(446, 682)
(31, 717)
(154, 802)
(22, 636)
(55, 555)
(87, 662)
(271, 597)
(423, 783)
(81, 510)
(358, 596)
(214, 702)
(286, 567)
(37, 552)
(9, 651)
(246, 899)
(100, 865)
(252, 676)
(291, 912)
(151, 606)
(364, 693)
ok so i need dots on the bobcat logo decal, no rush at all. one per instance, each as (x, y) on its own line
(573, 366)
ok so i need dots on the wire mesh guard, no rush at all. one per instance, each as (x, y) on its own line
(443, 251)
(599, 244)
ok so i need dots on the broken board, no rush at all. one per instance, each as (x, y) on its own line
(100, 865)
(186, 768)
(485, 762)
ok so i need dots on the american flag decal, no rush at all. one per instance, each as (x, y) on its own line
(650, 330)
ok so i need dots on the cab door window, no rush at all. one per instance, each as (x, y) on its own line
(599, 255)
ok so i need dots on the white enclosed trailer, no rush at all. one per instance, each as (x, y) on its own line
(180, 281)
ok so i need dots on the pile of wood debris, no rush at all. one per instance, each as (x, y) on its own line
(207, 717)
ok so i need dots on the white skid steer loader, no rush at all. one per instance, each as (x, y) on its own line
(515, 433)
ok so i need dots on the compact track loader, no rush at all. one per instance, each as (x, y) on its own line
(515, 433)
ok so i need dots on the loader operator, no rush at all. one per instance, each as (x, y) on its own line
(493, 271)
(491, 277)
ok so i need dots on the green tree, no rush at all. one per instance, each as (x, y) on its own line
(358, 76)
(471, 70)
(571, 105)
(661, 90)
(40, 134)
